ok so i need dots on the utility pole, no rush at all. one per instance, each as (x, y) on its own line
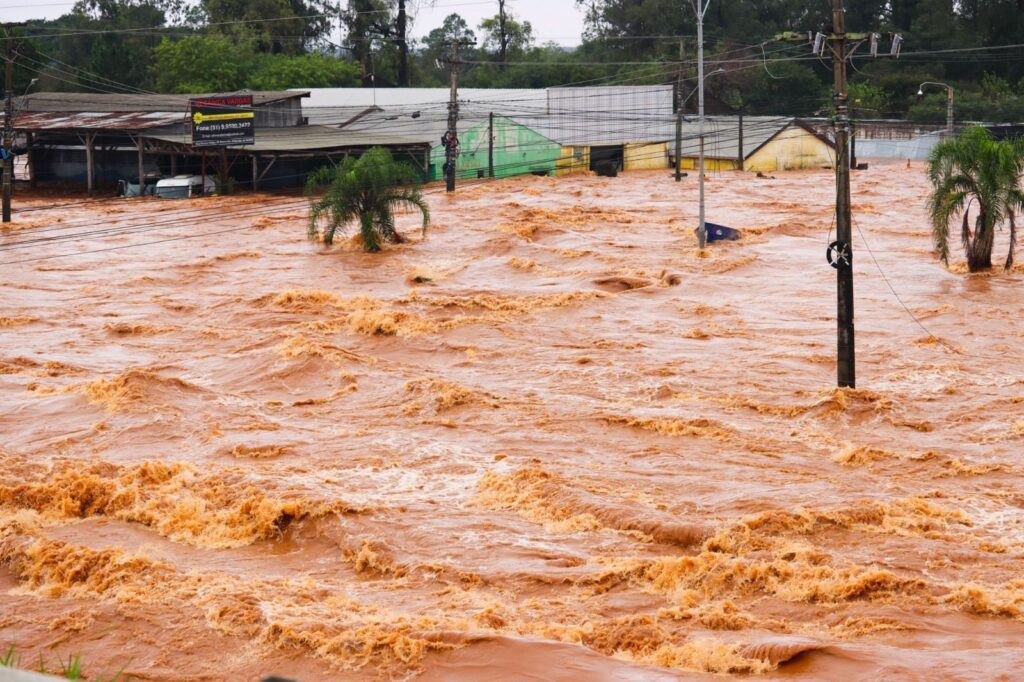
(841, 250)
(490, 145)
(403, 46)
(700, 9)
(679, 114)
(502, 35)
(8, 141)
(740, 156)
(451, 138)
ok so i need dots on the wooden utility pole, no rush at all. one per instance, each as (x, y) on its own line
(403, 46)
(841, 250)
(451, 138)
(502, 35)
(8, 141)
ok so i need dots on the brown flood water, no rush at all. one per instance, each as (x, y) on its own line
(575, 449)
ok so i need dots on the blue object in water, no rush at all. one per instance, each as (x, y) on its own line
(717, 233)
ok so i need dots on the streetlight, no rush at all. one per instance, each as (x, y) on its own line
(949, 102)
(702, 233)
(700, 9)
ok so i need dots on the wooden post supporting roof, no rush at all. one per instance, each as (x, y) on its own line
(29, 139)
(90, 161)
(142, 166)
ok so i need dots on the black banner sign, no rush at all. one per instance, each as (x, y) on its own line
(222, 121)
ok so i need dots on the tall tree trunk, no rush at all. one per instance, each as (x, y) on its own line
(979, 255)
(502, 35)
(403, 47)
(368, 231)
(1013, 238)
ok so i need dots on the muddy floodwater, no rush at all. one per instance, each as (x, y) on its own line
(553, 440)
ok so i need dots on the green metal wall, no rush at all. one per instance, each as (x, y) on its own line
(517, 150)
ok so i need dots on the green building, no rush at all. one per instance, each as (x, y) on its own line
(517, 150)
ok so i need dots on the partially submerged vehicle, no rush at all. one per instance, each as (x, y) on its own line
(177, 187)
(184, 186)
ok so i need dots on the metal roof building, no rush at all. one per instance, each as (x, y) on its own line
(109, 137)
(75, 136)
(632, 125)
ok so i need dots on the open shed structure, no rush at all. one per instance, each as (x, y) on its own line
(102, 138)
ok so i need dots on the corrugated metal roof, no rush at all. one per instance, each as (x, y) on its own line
(80, 102)
(428, 126)
(721, 133)
(413, 98)
(648, 100)
(337, 116)
(590, 129)
(311, 138)
(95, 120)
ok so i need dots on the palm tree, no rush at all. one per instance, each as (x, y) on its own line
(975, 169)
(367, 189)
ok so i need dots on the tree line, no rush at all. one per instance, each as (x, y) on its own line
(224, 45)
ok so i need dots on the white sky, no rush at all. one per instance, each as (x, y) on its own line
(559, 21)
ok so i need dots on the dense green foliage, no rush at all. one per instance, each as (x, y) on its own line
(190, 45)
(368, 189)
(975, 171)
(219, 63)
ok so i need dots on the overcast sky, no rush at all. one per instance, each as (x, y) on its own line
(555, 20)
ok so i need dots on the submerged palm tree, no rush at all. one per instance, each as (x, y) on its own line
(975, 170)
(367, 189)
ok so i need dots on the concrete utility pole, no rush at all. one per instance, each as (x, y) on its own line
(8, 141)
(451, 144)
(740, 156)
(702, 232)
(679, 114)
(841, 250)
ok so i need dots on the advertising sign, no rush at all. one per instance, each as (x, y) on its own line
(222, 121)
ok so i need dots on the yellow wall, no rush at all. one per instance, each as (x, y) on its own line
(691, 163)
(645, 156)
(792, 149)
(636, 156)
(573, 160)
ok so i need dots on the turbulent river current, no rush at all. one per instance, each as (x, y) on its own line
(550, 440)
